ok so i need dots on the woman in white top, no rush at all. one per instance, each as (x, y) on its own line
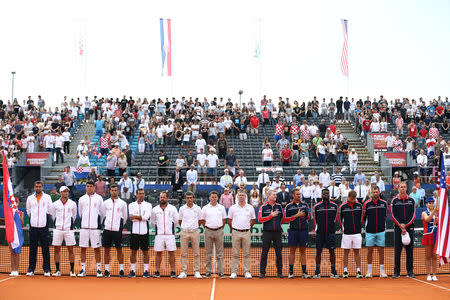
(265, 192)
(344, 189)
(254, 198)
(141, 143)
(375, 126)
(31, 140)
(383, 125)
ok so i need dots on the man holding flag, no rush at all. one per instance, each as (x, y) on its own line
(442, 248)
(13, 219)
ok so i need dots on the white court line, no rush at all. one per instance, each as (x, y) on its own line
(432, 284)
(7, 279)
(213, 289)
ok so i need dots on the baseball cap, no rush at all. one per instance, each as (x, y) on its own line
(63, 188)
(431, 199)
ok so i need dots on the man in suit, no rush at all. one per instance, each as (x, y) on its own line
(283, 197)
(177, 180)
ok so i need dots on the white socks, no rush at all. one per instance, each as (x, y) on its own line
(106, 267)
(145, 267)
(99, 266)
(133, 267)
(369, 268)
(121, 267)
(83, 266)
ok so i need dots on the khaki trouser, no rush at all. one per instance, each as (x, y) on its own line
(194, 237)
(192, 188)
(237, 238)
(214, 237)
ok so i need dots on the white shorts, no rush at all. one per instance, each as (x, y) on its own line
(68, 236)
(92, 235)
(164, 240)
(351, 241)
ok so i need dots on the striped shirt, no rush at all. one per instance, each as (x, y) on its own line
(337, 177)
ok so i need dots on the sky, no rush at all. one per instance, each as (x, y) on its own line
(396, 48)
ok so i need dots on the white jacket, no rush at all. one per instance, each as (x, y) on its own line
(143, 210)
(38, 210)
(90, 209)
(115, 212)
(165, 220)
(63, 214)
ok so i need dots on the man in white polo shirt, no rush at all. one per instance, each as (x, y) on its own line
(241, 218)
(189, 220)
(116, 214)
(140, 212)
(64, 213)
(164, 219)
(90, 207)
(213, 219)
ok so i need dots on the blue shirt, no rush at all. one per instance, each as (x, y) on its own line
(298, 179)
(361, 177)
(416, 197)
(99, 124)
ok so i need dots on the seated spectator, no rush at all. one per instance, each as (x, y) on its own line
(100, 186)
(122, 163)
(225, 179)
(226, 199)
(241, 179)
(304, 161)
(83, 161)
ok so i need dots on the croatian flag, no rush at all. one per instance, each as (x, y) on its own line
(81, 172)
(166, 46)
(442, 247)
(13, 225)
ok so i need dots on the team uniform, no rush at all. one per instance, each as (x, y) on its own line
(189, 217)
(350, 219)
(403, 211)
(164, 222)
(374, 217)
(63, 214)
(115, 212)
(429, 231)
(271, 233)
(90, 210)
(325, 214)
(298, 227)
(139, 231)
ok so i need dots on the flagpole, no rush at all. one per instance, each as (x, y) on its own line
(348, 68)
(260, 58)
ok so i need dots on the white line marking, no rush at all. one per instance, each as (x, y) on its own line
(7, 279)
(213, 289)
(435, 285)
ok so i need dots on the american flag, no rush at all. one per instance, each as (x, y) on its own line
(344, 57)
(443, 235)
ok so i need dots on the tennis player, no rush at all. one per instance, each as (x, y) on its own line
(297, 215)
(430, 221)
(90, 209)
(325, 213)
(403, 212)
(350, 219)
(164, 219)
(271, 216)
(241, 218)
(140, 212)
(115, 212)
(38, 207)
(15, 257)
(213, 219)
(375, 212)
(64, 213)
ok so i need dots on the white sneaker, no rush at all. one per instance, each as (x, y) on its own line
(56, 274)
(72, 274)
(429, 278)
(14, 274)
(233, 276)
(248, 275)
(369, 275)
(434, 278)
(47, 274)
(182, 275)
(383, 275)
(30, 273)
(198, 275)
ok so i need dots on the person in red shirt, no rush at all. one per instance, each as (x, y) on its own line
(295, 129)
(440, 112)
(254, 122)
(332, 127)
(423, 132)
(286, 155)
(366, 125)
(412, 129)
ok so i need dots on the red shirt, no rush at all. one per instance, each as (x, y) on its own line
(295, 129)
(279, 129)
(286, 154)
(423, 132)
(439, 110)
(332, 128)
(412, 130)
(366, 124)
(254, 121)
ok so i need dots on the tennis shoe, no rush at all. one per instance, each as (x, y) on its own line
(30, 273)
(316, 276)
(207, 275)
(83, 273)
(359, 274)
(99, 273)
(434, 278)
(383, 275)
(248, 275)
(56, 274)
(106, 274)
(46, 274)
(291, 275)
(345, 275)
(369, 275)
(306, 276)
(182, 275)
(156, 274)
(334, 275)
(14, 274)
(221, 275)
(121, 274)
(198, 275)
(72, 274)
(429, 278)
(146, 274)
(233, 276)
(173, 275)
(132, 274)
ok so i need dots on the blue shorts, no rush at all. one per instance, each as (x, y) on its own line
(212, 171)
(326, 240)
(277, 137)
(375, 239)
(297, 238)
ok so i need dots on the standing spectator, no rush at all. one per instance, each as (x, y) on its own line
(67, 137)
(337, 176)
(254, 122)
(304, 161)
(279, 129)
(241, 218)
(403, 212)
(271, 217)
(267, 156)
(213, 218)
(163, 164)
(111, 163)
(38, 206)
(283, 197)
(286, 155)
(390, 142)
(69, 180)
(122, 163)
(298, 180)
(226, 199)
(100, 186)
(177, 180)
(353, 160)
(241, 179)
(399, 125)
(359, 176)
(324, 178)
(202, 165)
(222, 146)
(189, 220)
(126, 187)
(263, 177)
(231, 162)
(192, 179)
(139, 183)
(212, 162)
(397, 144)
